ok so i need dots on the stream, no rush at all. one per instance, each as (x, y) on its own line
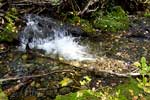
(47, 46)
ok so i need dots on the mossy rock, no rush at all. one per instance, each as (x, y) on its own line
(113, 21)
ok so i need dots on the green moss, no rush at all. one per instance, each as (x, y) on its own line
(80, 95)
(131, 89)
(114, 21)
(10, 30)
(85, 24)
(126, 91)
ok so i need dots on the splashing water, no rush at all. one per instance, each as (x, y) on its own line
(44, 33)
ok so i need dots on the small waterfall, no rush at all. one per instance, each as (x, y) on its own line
(50, 35)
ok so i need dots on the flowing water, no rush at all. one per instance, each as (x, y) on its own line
(49, 35)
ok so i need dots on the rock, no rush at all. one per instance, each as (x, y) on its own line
(64, 90)
(139, 27)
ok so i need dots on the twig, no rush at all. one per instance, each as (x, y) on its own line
(86, 8)
(35, 76)
(92, 10)
(15, 88)
(131, 74)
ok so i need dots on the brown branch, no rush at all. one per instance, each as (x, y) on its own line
(32, 2)
(15, 88)
(92, 10)
(86, 8)
(34, 76)
(131, 74)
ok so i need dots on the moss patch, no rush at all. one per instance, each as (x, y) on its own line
(113, 21)
(85, 24)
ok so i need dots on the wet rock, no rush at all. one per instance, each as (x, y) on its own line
(52, 93)
(64, 90)
(139, 27)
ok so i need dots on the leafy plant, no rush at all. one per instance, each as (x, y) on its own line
(65, 81)
(144, 67)
(86, 80)
(10, 30)
(144, 83)
(113, 21)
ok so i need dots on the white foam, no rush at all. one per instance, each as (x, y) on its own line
(65, 46)
(61, 44)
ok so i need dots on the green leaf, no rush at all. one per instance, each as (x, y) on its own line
(65, 81)
(137, 64)
(87, 78)
(83, 82)
(143, 62)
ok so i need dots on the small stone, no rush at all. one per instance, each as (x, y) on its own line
(64, 90)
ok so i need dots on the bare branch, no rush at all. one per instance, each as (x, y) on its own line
(34, 76)
(86, 8)
(92, 10)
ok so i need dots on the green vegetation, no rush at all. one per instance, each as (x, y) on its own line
(90, 95)
(3, 96)
(80, 95)
(131, 90)
(128, 91)
(147, 14)
(134, 89)
(139, 88)
(10, 30)
(114, 21)
(144, 67)
(85, 24)
(55, 2)
(144, 82)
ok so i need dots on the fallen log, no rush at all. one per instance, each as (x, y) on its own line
(91, 68)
